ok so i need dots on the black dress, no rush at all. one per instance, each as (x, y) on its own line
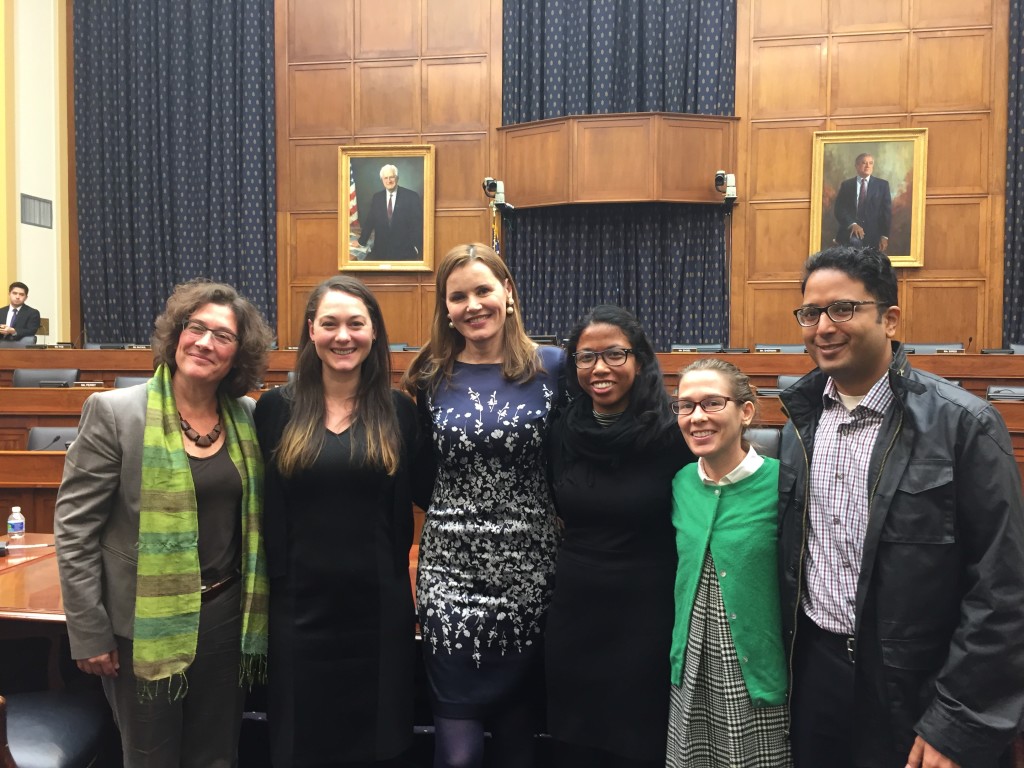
(610, 623)
(342, 621)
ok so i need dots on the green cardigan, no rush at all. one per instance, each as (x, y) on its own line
(739, 522)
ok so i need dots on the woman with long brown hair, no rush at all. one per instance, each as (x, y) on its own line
(336, 442)
(484, 392)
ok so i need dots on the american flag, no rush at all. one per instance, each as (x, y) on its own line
(353, 207)
(495, 242)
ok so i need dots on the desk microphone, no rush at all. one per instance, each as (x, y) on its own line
(5, 546)
(970, 340)
(47, 446)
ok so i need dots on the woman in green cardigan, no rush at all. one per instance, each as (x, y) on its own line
(728, 700)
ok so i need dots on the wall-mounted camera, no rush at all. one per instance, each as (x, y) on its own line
(726, 184)
(495, 190)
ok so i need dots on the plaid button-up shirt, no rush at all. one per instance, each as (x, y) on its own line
(838, 510)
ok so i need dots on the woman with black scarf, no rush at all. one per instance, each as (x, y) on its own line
(613, 452)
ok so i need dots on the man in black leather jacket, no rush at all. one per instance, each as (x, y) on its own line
(901, 543)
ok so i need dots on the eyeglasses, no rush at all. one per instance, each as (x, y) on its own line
(615, 356)
(708, 405)
(197, 330)
(837, 311)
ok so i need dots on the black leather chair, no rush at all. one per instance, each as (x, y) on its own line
(787, 381)
(51, 438)
(44, 377)
(56, 729)
(129, 381)
(1004, 393)
(24, 341)
(765, 440)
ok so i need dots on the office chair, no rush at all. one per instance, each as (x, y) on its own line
(44, 377)
(790, 349)
(1004, 393)
(55, 729)
(51, 438)
(24, 341)
(933, 349)
(1018, 349)
(129, 381)
(787, 381)
(766, 440)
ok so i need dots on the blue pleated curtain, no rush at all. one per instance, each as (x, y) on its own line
(667, 262)
(1013, 269)
(174, 145)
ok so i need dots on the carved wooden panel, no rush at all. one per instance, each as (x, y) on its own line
(952, 13)
(320, 100)
(867, 123)
(314, 247)
(869, 74)
(453, 228)
(780, 159)
(455, 27)
(958, 152)
(775, 18)
(951, 70)
(927, 316)
(869, 15)
(461, 168)
(387, 30)
(316, 164)
(956, 237)
(777, 241)
(427, 305)
(528, 179)
(689, 153)
(400, 305)
(455, 95)
(770, 315)
(788, 78)
(387, 97)
(319, 30)
(603, 171)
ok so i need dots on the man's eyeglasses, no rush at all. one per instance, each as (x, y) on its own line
(837, 311)
(708, 405)
(195, 329)
(615, 356)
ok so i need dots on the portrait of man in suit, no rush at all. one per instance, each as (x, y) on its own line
(394, 221)
(863, 207)
(18, 319)
(868, 190)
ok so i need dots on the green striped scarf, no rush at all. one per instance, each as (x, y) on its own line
(167, 597)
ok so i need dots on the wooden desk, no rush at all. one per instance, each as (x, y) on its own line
(30, 479)
(29, 584)
(22, 408)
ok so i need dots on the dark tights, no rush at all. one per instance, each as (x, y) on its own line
(460, 743)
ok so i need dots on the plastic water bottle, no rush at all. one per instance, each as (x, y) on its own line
(16, 524)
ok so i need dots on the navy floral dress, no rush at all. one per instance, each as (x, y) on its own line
(487, 551)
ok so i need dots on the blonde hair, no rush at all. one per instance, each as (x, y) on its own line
(739, 383)
(436, 359)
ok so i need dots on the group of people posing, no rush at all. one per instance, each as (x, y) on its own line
(599, 560)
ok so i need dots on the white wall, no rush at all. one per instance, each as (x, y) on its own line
(38, 114)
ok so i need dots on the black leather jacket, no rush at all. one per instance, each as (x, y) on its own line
(940, 599)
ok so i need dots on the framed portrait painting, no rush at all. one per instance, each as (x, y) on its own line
(868, 189)
(386, 208)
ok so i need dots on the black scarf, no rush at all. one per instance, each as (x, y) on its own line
(580, 437)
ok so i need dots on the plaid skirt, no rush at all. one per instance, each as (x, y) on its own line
(712, 723)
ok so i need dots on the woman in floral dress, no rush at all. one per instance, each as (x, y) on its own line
(487, 552)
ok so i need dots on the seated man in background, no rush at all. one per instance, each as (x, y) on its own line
(18, 319)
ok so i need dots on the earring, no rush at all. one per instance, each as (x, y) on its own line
(510, 308)
(450, 323)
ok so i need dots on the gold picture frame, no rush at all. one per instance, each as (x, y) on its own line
(372, 238)
(899, 171)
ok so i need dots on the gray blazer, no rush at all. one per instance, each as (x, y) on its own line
(96, 520)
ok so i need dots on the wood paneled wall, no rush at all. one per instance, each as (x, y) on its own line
(873, 64)
(366, 72)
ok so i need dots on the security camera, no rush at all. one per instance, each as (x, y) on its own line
(720, 181)
(490, 186)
